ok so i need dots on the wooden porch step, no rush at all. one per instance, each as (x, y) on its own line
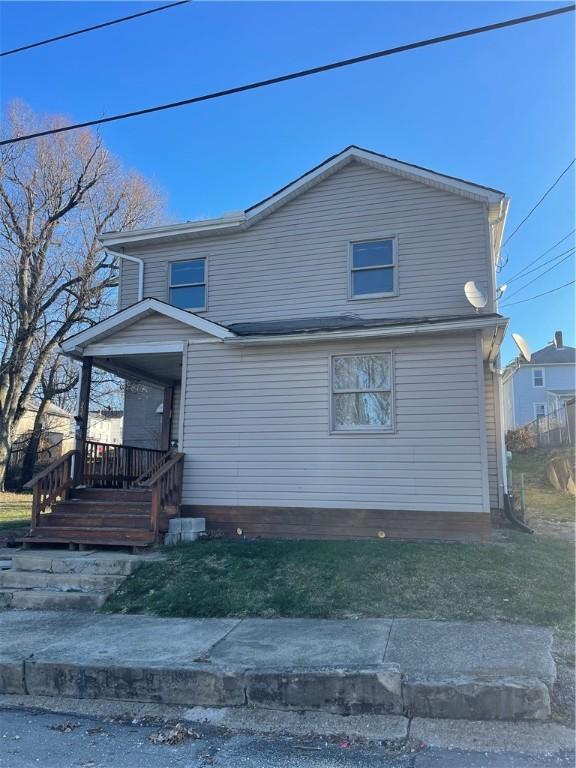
(92, 519)
(86, 507)
(113, 537)
(111, 494)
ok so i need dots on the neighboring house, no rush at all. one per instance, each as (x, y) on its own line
(105, 426)
(316, 357)
(541, 386)
(57, 429)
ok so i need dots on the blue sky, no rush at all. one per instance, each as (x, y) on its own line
(497, 109)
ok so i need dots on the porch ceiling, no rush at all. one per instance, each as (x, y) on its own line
(162, 368)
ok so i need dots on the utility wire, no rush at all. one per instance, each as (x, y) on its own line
(519, 273)
(514, 293)
(537, 296)
(544, 196)
(299, 74)
(91, 29)
(544, 263)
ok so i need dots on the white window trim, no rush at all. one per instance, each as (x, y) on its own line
(535, 407)
(190, 285)
(362, 430)
(543, 378)
(393, 267)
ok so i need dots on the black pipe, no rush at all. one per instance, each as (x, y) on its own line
(509, 512)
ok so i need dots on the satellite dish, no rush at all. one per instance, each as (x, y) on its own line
(475, 295)
(522, 345)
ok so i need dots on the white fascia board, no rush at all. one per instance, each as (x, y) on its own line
(371, 333)
(131, 314)
(111, 350)
(142, 236)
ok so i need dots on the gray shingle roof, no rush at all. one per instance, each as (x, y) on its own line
(551, 354)
(338, 323)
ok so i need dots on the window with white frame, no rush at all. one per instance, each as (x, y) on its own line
(538, 377)
(362, 393)
(187, 286)
(373, 269)
(539, 410)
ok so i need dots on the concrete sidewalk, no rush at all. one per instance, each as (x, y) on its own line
(397, 667)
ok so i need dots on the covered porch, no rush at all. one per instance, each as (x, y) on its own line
(117, 494)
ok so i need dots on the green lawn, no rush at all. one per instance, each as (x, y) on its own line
(15, 510)
(544, 504)
(518, 578)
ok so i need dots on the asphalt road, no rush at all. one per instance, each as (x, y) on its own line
(29, 738)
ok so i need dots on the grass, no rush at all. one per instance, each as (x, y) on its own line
(518, 578)
(543, 502)
(15, 510)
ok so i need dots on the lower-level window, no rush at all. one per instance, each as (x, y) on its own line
(362, 393)
(539, 410)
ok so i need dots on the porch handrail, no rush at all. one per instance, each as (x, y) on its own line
(113, 465)
(51, 484)
(154, 468)
(166, 486)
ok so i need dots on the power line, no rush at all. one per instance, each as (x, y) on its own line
(299, 74)
(519, 273)
(544, 196)
(514, 293)
(91, 29)
(544, 263)
(537, 296)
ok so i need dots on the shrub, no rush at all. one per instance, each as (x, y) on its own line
(520, 440)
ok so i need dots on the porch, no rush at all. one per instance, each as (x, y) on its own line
(103, 494)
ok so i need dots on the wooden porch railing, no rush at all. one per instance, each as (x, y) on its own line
(105, 465)
(166, 485)
(50, 485)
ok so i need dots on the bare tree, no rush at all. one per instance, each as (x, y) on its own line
(57, 194)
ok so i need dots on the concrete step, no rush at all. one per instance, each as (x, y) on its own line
(61, 562)
(38, 599)
(59, 582)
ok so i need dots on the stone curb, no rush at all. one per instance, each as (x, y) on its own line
(377, 690)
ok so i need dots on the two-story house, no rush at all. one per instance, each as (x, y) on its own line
(313, 361)
(541, 386)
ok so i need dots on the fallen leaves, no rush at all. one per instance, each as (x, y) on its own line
(64, 727)
(173, 734)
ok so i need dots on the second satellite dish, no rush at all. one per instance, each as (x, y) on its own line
(475, 295)
(522, 345)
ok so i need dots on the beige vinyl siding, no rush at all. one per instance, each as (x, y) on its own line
(294, 262)
(491, 436)
(154, 329)
(256, 429)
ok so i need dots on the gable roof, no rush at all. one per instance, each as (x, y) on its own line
(552, 354)
(495, 199)
(134, 312)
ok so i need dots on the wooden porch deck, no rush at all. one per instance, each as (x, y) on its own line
(106, 495)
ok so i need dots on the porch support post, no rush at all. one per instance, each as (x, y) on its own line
(166, 418)
(82, 417)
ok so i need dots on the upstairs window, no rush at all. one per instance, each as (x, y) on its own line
(188, 284)
(373, 269)
(538, 377)
(362, 393)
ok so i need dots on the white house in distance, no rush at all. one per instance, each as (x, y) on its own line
(321, 370)
(541, 386)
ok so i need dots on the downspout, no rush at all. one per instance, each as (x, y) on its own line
(135, 260)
